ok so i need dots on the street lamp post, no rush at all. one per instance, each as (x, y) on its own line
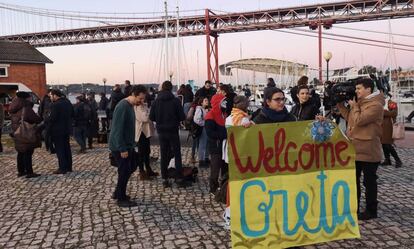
(104, 81)
(133, 73)
(327, 56)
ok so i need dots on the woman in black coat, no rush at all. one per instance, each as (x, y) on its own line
(305, 109)
(274, 110)
(22, 102)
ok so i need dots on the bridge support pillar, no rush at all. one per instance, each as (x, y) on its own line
(212, 51)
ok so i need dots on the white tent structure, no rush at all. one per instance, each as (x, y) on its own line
(288, 72)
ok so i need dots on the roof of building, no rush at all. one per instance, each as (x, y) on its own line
(341, 71)
(21, 52)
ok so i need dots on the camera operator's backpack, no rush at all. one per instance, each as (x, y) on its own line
(194, 129)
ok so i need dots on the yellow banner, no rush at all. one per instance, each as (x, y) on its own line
(291, 184)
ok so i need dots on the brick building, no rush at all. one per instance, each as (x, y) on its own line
(22, 63)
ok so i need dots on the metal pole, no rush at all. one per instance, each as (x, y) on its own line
(178, 47)
(208, 42)
(133, 73)
(167, 71)
(320, 50)
(327, 70)
(198, 68)
(216, 58)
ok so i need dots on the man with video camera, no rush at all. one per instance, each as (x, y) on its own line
(364, 117)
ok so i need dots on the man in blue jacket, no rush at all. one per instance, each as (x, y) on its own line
(122, 142)
(167, 113)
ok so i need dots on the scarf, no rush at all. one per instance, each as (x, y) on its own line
(237, 116)
(275, 116)
(215, 113)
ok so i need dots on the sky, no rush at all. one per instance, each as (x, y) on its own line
(113, 61)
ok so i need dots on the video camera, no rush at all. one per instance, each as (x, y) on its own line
(344, 91)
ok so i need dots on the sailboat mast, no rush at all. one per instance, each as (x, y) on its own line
(166, 41)
(178, 47)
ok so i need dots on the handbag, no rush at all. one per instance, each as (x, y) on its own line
(26, 133)
(398, 130)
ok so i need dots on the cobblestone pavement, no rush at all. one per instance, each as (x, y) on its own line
(76, 210)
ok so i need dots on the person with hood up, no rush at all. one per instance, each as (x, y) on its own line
(365, 117)
(305, 108)
(216, 133)
(21, 108)
(167, 113)
(387, 141)
(274, 110)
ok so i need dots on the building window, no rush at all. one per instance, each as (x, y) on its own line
(3, 71)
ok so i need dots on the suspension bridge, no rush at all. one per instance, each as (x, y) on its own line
(107, 27)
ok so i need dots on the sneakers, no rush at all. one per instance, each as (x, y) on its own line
(59, 172)
(386, 162)
(166, 184)
(398, 164)
(126, 203)
(115, 198)
(32, 175)
(367, 216)
(143, 176)
(152, 173)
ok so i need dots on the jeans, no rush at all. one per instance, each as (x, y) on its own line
(370, 183)
(202, 146)
(194, 147)
(79, 133)
(144, 150)
(186, 107)
(217, 165)
(170, 147)
(63, 152)
(390, 150)
(126, 166)
(24, 162)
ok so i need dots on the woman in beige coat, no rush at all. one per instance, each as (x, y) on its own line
(386, 139)
(144, 130)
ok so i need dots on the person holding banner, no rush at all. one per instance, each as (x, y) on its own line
(238, 117)
(365, 117)
(274, 110)
(305, 109)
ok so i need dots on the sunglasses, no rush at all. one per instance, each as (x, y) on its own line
(279, 99)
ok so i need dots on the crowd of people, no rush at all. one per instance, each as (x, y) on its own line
(134, 114)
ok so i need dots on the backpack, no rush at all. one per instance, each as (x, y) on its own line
(189, 174)
(189, 118)
(195, 129)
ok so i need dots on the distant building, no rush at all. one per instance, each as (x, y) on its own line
(405, 78)
(22, 63)
(346, 73)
